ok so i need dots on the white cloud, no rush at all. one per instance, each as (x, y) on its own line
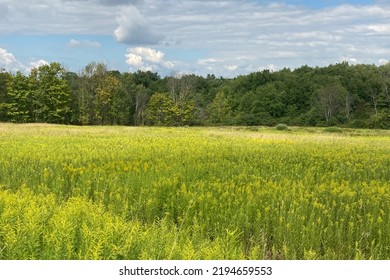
(134, 60)
(134, 29)
(380, 28)
(211, 35)
(209, 61)
(270, 67)
(148, 54)
(6, 57)
(349, 59)
(38, 63)
(83, 44)
(231, 67)
(147, 59)
(10, 63)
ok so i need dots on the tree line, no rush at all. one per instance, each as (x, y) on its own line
(340, 94)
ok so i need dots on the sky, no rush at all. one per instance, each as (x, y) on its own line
(221, 37)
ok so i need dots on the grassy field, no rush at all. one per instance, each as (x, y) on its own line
(193, 193)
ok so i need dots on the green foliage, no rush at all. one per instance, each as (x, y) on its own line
(162, 110)
(20, 105)
(270, 100)
(329, 100)
(219, 110)
(341, 94)
(42, 97)
(51, 94)
(5, 79)
(333, 129)
(98, 89)
(380, 120)
(281, 126)
(358, 124)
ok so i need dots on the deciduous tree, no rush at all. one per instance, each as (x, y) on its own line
(51, 94)
(329, 99)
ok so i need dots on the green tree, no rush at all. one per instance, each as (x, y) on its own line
(270, 100)
(73, 81)
(185, 113)
(51, 94)
(105, 92)
(141, 98)
(385, 79)
(182, 89)
(183, 92)
(329, 100)
(246, 112)
(160, 110)
(121, 112)
(219, 111)
(5, 79)
(130, 100)
(20, 106)
(96, 96)
(147, 79)
(369, 86)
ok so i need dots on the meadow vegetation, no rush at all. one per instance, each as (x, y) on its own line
(69, 192)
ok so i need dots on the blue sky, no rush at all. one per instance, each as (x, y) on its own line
(221, 37)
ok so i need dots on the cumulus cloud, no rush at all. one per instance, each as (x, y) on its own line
(148, 54)
(6, 57)
(73, 43)
(147, 59)
(10, 63)
(38, 63)
(134, 60)
(134, 29)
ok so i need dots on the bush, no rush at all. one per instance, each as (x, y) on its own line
(381, 121)
(281, 126)
(358, 124)
(333, 129)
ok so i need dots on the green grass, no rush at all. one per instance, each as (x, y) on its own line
(193, 193)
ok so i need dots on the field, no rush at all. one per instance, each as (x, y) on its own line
(70, 192)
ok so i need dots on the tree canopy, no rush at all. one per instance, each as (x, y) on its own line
(339, 94)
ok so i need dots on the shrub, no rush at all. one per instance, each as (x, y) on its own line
(282, 126)
(358, 124)
(381, 121)
(333, 129)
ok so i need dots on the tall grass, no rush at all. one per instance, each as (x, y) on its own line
(192, 193)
